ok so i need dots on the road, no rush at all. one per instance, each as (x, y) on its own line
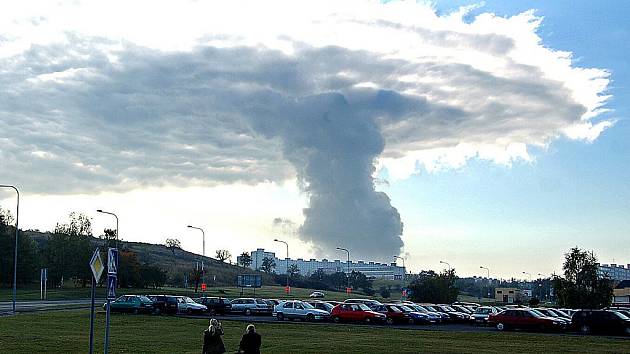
(6, 307)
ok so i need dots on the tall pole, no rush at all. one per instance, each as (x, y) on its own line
(449, 266)
(488, 270)
(404, 268)
(17, 229)
(203, 234)
(348, 263)
(286, 244)
(106, 349)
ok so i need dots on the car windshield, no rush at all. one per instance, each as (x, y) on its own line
(483, 310)
(260, 301)
(393, 309)
(621, 315)
(364, 307)
(548, 313)
(405, 308)
(188, 300)
(419, 308)
(430, 308)
(537, 313)
(144, 299)
(307, 305)
(449, 309)
(561, 313)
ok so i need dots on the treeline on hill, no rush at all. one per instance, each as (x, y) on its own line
(66, 253)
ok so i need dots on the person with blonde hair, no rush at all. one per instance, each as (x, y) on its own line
(250, 342)
(212, 341)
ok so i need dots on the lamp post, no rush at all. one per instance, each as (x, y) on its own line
(17, 228)
(449, 266)
(530, 276)
(348, 263)
(286, 244)
(488, 270)
(404, 268)
(106, 344)
(203, 234)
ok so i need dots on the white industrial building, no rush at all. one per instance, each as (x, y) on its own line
(307, 267)
(614, 271)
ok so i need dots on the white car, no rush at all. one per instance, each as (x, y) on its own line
(317, 294)
(300, 310)
(188, 305)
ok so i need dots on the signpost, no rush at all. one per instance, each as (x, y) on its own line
(249, 281)
(96, 264)
(112, 271)
(43, 280)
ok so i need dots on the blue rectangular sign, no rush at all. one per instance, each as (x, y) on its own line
(112, 261)
(112, 280)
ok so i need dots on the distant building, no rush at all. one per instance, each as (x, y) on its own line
(508, 295)
(307, 267)
(621, 294)
(617, 272)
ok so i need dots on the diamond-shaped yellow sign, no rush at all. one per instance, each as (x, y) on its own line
(96, 264)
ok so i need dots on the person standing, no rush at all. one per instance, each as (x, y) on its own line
(250, 342)
(212, 341)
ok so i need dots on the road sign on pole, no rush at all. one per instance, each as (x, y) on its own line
(111, 287)
(112, 261)
(96, 264)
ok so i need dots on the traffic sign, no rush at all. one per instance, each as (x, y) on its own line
(203, 286)
(112, 261)
(96, 264)
(112, 280)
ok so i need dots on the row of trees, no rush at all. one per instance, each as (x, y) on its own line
(66, 253)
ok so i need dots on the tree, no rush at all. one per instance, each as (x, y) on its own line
(223, 255)
(434, 288)
(245, 259)
(581, 287)
(293, 270)
(268, 265)
(384, 291)
(109, 238)
(27, 267)
(69, 249)
(358, 280)
(173, 244)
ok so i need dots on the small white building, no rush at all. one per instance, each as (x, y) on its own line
(307, 267)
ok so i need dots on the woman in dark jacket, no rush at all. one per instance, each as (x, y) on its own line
(250, 342)
(212, 341)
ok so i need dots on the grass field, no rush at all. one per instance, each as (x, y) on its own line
(67, 332)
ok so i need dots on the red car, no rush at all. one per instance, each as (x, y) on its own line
(523, 319)
(394, 314)
(356, 313)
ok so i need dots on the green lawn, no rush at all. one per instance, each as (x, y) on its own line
(67, 332)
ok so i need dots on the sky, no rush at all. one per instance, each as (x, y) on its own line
(473, 133)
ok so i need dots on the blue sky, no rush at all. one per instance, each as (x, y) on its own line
(574, 193)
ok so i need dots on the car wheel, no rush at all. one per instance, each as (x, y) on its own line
(585, 329)
(280, 316)
(248, 312)
(500, 326)
(367, 320)
(389, 321)
(310, 317)
(336, 319)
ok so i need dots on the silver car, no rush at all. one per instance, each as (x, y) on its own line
(188, 305)
(295, 309)
(482, 313)
(251, 306)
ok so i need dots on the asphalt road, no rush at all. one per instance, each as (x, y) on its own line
(6, 307)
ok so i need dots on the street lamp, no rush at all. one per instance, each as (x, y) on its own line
(203, 234)
(17, 228)
(286, 244)
(488, 270)
(449, 266)
(530, 276)
(348, 263)
(108, 301)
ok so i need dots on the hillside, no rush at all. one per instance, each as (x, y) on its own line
(177, 264)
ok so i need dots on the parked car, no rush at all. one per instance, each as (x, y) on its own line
(370, 303)
(445, 317)
(551, 313)
(251, 306)
(565, 323)
(415, 317)
(600, 321)
(218, 305)
(455, 316)
(321, 305)
(463, 309)
(164, 304)
(189, 306)
(131, 304)
(295, 309)
(523, 318)
(317, 294)
(356, 313)
(393, 313)
(481, 315)
(434, 317)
